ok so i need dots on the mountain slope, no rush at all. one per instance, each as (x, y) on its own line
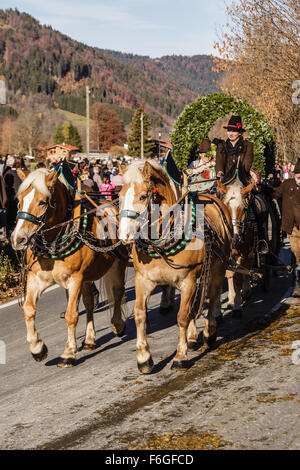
(37, 59)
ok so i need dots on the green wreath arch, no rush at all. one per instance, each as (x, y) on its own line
(196, 120)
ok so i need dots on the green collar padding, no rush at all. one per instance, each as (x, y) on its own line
(165, 167)
(60, 171)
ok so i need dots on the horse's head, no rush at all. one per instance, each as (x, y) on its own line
(36, 204)
(144, 183)
(236, 198)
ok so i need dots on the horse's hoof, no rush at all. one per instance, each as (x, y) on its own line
(180, 365)
(118, 333)
(66, 362)
(237, 313)
(209, 340)
(88, 346)
(122, 332)
(146, 367)
(165, 310)
(193, 345)
(42, 355)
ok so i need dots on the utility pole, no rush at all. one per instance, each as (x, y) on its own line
(159, 136)
(142, 135)
(2, 90)
(87, 121)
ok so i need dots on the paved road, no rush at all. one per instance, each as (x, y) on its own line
(242, 394)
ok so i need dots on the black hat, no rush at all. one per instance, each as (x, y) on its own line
(235, 124)
(297, 166)
(205, 146)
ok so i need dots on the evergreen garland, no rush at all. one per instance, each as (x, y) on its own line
(196, 120)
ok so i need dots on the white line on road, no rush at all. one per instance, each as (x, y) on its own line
(13, 302)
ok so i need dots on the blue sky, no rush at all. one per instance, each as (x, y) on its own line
(144, 27)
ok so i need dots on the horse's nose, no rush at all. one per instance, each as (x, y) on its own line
(18, 242)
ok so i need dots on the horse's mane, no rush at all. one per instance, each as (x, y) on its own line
(234, 192)
(38, 180)
(134, 174)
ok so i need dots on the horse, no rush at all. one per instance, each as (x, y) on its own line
(236, 198)
(146, 182)
(42, 212)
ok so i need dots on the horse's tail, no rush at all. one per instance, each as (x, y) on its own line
(112, 290)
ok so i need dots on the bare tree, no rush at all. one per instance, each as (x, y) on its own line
(260, 53)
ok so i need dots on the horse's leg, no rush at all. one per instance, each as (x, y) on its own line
(183, 319)
(68, 359)
(231, 289)
(238, 301)
(118, 273)
(246, 287)
(142, 291)
(192, 336)
(167, 299)
(214, 293)
(34, 288)
(88, 299)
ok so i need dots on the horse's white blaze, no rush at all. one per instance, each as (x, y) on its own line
(25, 208)
(234, 199)
(127, 226)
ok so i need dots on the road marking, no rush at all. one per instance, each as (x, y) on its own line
(13, 302)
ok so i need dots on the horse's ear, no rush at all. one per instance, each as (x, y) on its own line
(122, 168)
(222, 187)
(247, 189)
(51, 179)
(147, 171)
(22, 174)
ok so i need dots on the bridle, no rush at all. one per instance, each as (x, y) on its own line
(131, 214)
(241, 224)
(40, 220)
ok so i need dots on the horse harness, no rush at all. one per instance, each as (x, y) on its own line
(75, 234)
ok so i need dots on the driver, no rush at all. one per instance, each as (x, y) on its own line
(234, 153)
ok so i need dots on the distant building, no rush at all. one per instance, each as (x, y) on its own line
(160, 147)
(57, 150)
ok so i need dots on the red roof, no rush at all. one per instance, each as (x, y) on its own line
(64, 146)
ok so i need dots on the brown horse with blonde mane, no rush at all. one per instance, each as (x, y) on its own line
(43, 206)
(236, 198)
(146, 183)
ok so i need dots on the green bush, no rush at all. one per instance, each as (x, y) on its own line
(9, 267)
(196, 120)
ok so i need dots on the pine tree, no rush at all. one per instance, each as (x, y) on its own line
(58, 135)
(66, 133)
(74, 137)
(134, 137)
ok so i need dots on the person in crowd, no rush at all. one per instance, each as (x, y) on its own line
(289, 192)
(12, 183)
(96, 177)
(285, 172)
(117, 180)
(3, 206)
(107, 187)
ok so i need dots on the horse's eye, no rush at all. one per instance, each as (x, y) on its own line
(42, 203)
(143, 197)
